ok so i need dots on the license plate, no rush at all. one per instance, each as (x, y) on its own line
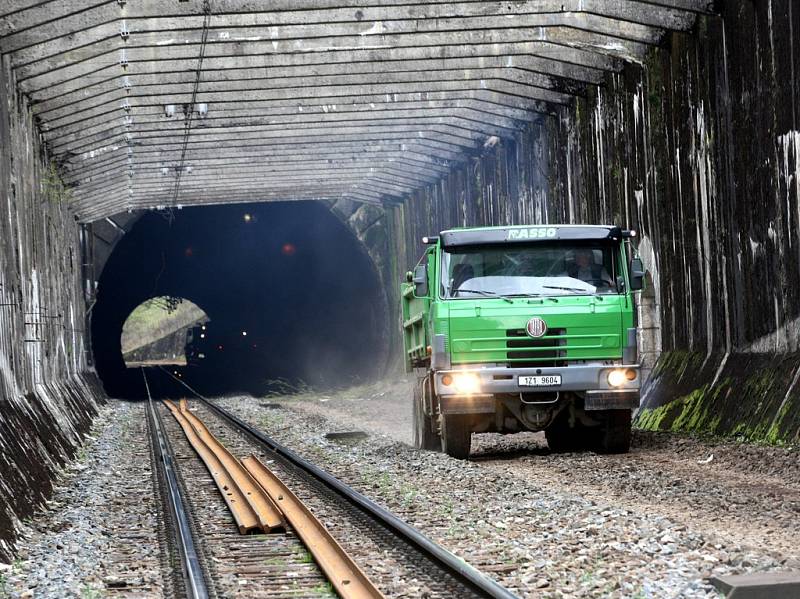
(544, 380)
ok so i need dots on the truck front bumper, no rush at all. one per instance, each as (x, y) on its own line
(589, 380)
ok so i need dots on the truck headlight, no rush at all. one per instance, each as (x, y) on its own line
(466, 383)
(616, 378)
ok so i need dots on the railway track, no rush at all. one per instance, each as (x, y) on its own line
(191, 577)
(399, 560)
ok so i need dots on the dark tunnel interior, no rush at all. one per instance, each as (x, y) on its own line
(290, 292)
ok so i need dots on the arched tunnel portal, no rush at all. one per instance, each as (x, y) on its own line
(290, 292)
(382, 122)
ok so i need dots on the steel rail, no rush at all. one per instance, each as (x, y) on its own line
(191, 569)
(266, 509)
(251, 509)
(341, 570)
(252, 490)
(444, 558)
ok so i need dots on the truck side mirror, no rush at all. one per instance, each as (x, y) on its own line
(421, 280)
(637, 274)
(409, 277)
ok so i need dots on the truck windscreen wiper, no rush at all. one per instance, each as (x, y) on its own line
(527, 294)
(486, 293)
(576, 289)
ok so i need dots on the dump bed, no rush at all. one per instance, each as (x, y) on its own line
(416, 336)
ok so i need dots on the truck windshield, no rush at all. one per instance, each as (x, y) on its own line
(529, 270)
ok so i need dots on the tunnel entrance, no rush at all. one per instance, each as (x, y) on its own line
(289, 298)
(164, 331)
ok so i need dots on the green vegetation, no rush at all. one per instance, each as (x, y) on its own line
(324, 589)
(384, 481)
(690, 413)
(90, 592)
(750, 407)
(655, 79)
(447, 508)
(53, 186)
(304, 557)
(409, 496)
(156, 318)
(773, 435)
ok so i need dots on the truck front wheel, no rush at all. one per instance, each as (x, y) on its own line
(424, 435)
(615, 431)
(456, 435)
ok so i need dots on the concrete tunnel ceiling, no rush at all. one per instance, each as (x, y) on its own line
(321, 99)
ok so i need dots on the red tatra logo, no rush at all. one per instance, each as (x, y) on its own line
(536, 327)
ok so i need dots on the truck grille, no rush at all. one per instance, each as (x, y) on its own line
(521, 347)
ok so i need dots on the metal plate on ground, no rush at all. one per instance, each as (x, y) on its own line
(347, 437)
(758, 585)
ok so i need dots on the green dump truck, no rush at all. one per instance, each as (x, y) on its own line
(524, 328)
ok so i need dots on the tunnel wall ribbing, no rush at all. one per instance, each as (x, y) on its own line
(370, 225)
(47, 399)
(698, 148)
(508, 183)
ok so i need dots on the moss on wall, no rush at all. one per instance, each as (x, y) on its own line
(753, 397)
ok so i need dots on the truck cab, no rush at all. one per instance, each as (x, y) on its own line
(524, 328)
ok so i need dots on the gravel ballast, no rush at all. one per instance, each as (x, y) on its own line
(652, 523)
(99, 534)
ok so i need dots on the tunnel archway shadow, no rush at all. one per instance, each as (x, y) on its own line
(291, 292)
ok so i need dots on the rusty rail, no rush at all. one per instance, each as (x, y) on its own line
(259, 501)
(252, 509)
(458, 568)
(342, 572)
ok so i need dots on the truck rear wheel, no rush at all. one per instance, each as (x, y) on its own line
(424, 435)
(615, 431)
(456, 435)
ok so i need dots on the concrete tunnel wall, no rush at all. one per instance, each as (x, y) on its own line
(699, 150)
(47, 398)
